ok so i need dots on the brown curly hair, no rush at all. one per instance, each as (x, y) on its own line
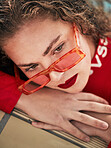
(14, 13)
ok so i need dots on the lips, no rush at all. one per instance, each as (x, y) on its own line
(68, 83)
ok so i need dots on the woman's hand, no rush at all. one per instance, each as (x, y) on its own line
(55, 109)
(91, 131)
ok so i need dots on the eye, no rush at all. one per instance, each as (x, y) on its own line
(32, 68)
(58, 49)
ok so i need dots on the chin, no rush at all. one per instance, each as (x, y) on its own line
(72, 89)
(78, 87)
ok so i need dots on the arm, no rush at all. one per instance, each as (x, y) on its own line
(55, 109)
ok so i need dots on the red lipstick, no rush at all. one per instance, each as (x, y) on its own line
(68, 83)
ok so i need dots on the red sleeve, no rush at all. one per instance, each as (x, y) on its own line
(109, 146)
(9, 94)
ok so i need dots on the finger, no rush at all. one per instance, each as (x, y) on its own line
(43, 125)
(93, 106)
(89, 120)
(89, 130)
(92, 97)
(69, 128)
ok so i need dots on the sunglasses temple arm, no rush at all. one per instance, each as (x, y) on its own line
(76, 36)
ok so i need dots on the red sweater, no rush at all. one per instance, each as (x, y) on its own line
(9, 93)
(99, 80)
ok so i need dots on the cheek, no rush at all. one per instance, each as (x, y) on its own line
(86, 66)
(86, 48)
(86, 62)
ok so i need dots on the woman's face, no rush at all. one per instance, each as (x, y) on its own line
(39, 43)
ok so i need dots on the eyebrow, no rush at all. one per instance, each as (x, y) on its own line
(45, 53)
(51, 44)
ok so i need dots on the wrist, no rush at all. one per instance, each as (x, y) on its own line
(21, 102)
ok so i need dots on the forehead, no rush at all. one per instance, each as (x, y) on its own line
(36, 36)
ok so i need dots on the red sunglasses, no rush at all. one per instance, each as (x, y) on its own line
(63, 64)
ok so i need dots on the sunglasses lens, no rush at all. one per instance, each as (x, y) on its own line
(36, 83)
(69, 60)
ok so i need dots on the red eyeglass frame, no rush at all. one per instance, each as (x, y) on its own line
(46, 72)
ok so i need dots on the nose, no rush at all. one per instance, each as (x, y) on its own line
(56, 76)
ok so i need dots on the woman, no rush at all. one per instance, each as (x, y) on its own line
(35, 34)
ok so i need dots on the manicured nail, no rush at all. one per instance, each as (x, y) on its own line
(104, 125)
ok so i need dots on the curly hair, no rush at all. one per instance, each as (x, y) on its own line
(14, 13)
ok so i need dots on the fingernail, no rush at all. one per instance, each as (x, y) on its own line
(87, 139)
(104, 125)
